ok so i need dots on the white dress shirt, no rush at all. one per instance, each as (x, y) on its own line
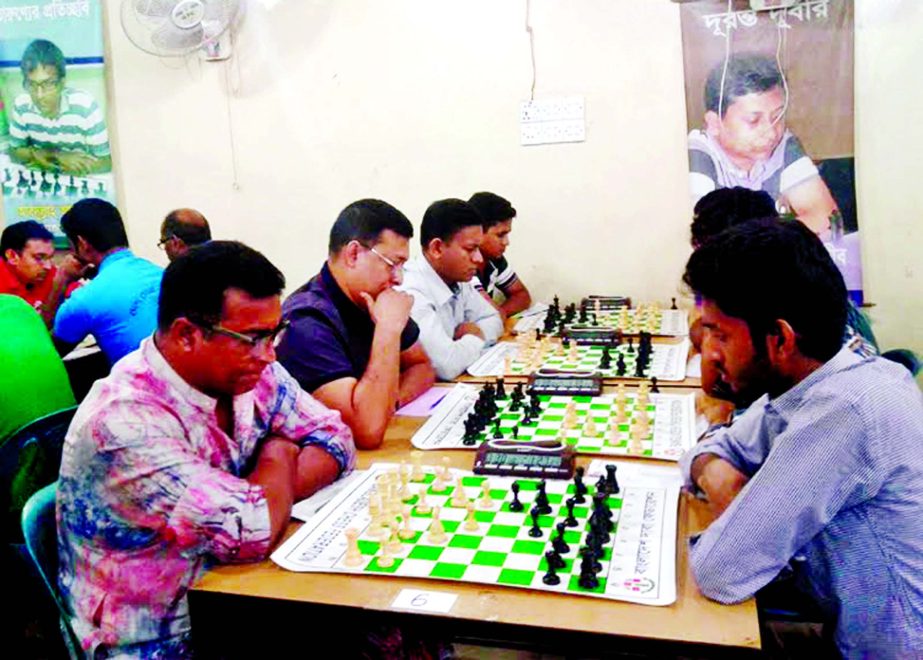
(438, 310)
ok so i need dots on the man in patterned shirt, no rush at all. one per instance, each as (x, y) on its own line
(495, 275)
(191, 451)
(821, 479)
(52, 127)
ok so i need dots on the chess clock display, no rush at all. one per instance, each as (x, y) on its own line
(606, 302)
(547, 459)
(575, 383)
(591, 334)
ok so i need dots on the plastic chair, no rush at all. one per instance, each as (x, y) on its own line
(39, 528)
(30, 458)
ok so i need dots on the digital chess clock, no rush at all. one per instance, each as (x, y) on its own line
(606, 302)
(591, 334)
(543, 459)
(563, 383)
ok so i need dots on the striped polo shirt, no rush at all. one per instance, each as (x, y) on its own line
(79, 126)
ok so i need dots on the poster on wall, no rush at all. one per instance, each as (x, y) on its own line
(54, 141)
(769, 106)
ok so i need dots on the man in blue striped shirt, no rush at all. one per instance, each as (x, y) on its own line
(52, 127)
(823, 475)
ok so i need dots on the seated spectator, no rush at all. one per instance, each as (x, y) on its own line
(351, 341)
(192, 450)
(181, 230)
(119, 306)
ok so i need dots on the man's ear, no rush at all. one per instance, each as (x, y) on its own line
(185, 334)
(436, 247)
(712, 123)
(11, 255)
(781, 342)
(350, 253)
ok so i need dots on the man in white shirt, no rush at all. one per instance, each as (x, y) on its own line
(456, 322)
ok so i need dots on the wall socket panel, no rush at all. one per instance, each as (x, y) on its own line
(552, 120)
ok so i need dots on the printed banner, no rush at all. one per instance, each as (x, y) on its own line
(769, 103)
(54, 142)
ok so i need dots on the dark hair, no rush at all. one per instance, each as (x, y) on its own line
(364, 221)
(493, 208)
(726, 207)
(445, 218)
(16, 235)
(747, 73)
(769, 269)
(188, 225)
(193, 285)
(41, 52)
(98, 221)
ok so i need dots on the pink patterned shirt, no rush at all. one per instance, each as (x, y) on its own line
(151, 491)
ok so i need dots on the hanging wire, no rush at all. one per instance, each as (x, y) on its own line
(724, 70)
(232, 90)
(531, 46)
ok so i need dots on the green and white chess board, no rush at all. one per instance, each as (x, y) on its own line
(638, 563)
(671, 423)
(658, 322)
(667, 361)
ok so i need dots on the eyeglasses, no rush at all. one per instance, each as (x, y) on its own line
(43, 86)
(163, 241)
(393, 265)
(261, 339)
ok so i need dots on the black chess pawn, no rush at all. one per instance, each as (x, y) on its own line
(595, 320)
(515, 432)
(541, 499)
(556, 303)
(536, 531)
(526, 418)
(631, 345)
(516, 505)
(498, 432)
(605, 362)
(583, 316)
(654, 388)
(551, 578)
(571, 520)
(601, 485)
(580, 489)
(85, 188)
(553, 559)
(558, 542)
(538, 335)
(620, 365)
(565, 343)
(612, 484)
(673, 303)
(500, 390)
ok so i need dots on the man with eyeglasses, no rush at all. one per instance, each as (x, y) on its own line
(192, 450)
(183, 229)
(55, 128)
(456, 322)
(27, 269)
(119, 305)
(352, 343)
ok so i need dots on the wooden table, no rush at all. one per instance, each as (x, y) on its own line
(261, 609)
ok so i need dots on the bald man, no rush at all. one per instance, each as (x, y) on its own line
(181, 230)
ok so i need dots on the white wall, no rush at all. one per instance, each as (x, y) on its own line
(415, 100)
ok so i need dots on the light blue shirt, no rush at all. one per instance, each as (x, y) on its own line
(118, 306)
(835, 494)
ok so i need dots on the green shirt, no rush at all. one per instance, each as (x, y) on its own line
(33, 381)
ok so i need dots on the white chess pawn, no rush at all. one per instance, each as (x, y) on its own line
(589, 428)
(406, 532)
(485, 501)
(436, 535)
(422, 505)
(385, 559)
(417, 473)
(353, 554)
(374, 529)
(613, 435)
(447, 471)
(459, 497)
(404, 492)
(471, 525)
(394, 543)
(572, 354)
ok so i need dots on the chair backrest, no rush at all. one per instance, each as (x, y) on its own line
(30, 458)
(40, 529)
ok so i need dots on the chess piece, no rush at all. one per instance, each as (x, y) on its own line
(551, 578)
(436, 535)
(460, 497)
(416, 472)
(498, 434)
(580, 489)
(406, 532)
(589, 428)
(541, 499)
(353, 554)
(471, 525)
(535, 531)
(385, 559)
(654, 388)
(612, 484)
(571, 520)
(485, 501)
(558, 542)
(394, 542)
(516, 505)
(422, 505)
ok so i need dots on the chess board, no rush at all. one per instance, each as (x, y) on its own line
(638, 563)
(672, 423)
(660, 323)
(17, 181)
(668, 361)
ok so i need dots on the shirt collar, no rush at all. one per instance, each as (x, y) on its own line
(789, 401)
(439, 291)
(162, 370)
(338, 297)
(112, 257)
(9, 281)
